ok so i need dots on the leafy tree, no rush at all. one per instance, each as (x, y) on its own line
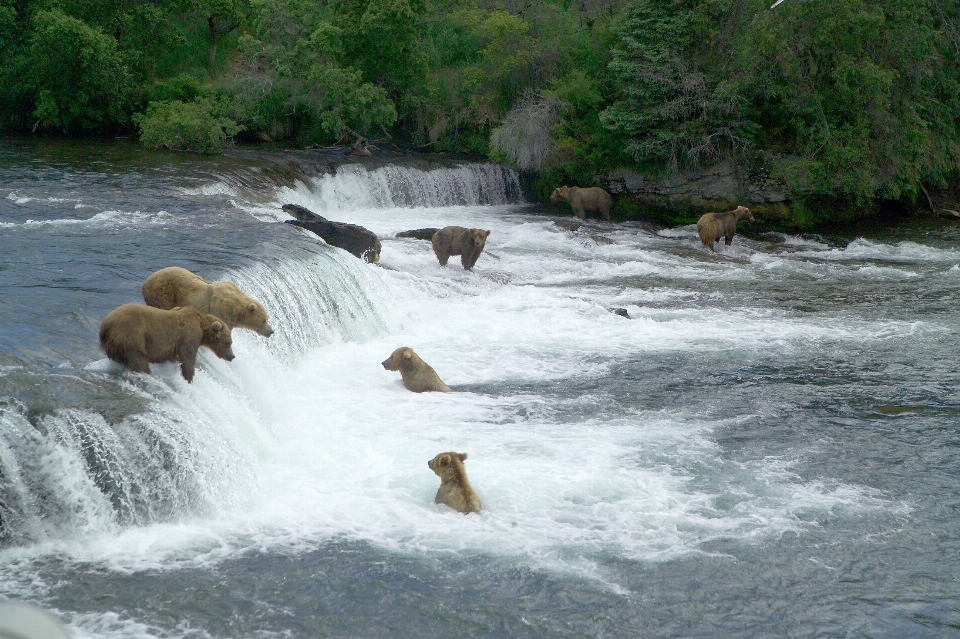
(862, 100)
(186, 126)
(677, 106)
(76, 73)
(295, 69)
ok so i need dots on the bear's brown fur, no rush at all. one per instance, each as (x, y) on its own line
(712, 226)
(136, 336)
(455, 490)
(593, 199)
(174, 286)
(418, 376)
(457, 240)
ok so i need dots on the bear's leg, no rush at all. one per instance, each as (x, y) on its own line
(443, 258)
(137, 362)
(187, 368)
(728, 239)
(578, 211)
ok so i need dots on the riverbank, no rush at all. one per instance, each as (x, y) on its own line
(671, 201)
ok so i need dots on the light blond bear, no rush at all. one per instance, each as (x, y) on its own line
(582, 201)
(418, 376)
(174, 286)
(136, 336)
(712, 226)
(455, 490)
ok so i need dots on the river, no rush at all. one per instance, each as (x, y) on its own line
(768, 446)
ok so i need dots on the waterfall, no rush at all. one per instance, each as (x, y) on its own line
(186, 450)
(353, 187)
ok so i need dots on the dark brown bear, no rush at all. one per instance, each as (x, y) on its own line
(136, 336)
(457, 240)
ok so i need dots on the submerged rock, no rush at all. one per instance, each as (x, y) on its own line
(419, 234)
(350, 237)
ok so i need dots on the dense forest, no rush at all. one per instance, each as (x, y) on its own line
(851, 102)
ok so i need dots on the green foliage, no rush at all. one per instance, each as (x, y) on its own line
(186, 126)
(76, 73)
(863, 98)
(677, 106)
(295, 76)
(848, 102)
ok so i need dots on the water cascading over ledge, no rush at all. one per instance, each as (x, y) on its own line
(356, 186)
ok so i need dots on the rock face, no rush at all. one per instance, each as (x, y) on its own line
(717, 187)
(350, 237)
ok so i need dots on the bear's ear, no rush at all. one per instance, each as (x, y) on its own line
(444, 460)
(217, 326)
(252, 306)
(407, 355)
(486, 234)
(462, 456)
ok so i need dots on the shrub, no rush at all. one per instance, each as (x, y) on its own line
(186, 126)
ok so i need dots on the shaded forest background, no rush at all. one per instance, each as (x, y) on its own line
(847, 103)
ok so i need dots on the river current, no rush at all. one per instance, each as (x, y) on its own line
(768, 446)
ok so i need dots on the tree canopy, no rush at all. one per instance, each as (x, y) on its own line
(853, 100)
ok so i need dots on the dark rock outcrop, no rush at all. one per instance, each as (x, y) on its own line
(419, 234)
(350, 237)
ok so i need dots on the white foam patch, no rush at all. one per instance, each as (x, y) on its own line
(885, 273)
(106, 219)
(210, 190)
(909, 252)
(18, 199)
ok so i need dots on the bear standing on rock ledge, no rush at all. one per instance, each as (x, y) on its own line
(457, 240)
(174, 286)
(593, 199)
(136, 336)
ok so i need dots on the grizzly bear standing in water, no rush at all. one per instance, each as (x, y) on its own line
(455, 491)
(174, 286)
(136, 336)
(712, 226)
(457, 240)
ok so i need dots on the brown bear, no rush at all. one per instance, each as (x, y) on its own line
(593, 199)
(457, 240)
(174, 286)
(455, 490)
(712, 226)
(136, 335)
(418, 376)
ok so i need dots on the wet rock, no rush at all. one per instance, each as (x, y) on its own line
(350, 237)
(622, 312)
(570, 226)
(419, 234)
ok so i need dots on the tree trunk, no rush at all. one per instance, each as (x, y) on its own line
(212, 21)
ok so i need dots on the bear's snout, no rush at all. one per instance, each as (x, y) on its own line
(266, 331)
(386, 363)
(228, 356)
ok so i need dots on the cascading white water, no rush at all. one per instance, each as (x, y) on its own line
(354, 187)
(71, 473)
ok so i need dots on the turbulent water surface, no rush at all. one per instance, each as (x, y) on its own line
(768, 446)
